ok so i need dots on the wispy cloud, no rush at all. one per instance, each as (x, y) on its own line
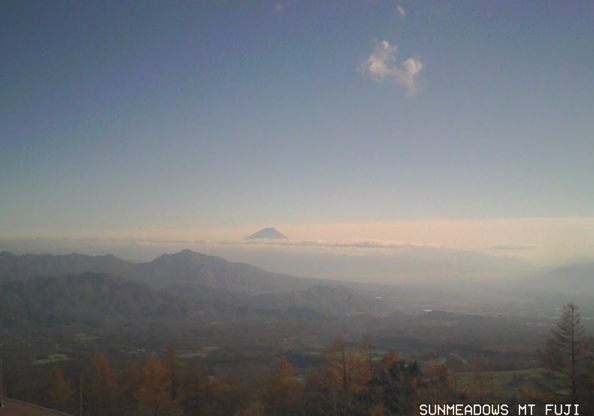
(401, 11)
(279, 7)
(383, 66)
(381, 244)
(512, 247)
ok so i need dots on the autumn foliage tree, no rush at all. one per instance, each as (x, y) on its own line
(155, 395)
(131, 383)
(100, 388)
(283, 392)
(60, 394)
(345, 375)
(352, 381)
(196, 389)
(171, 365)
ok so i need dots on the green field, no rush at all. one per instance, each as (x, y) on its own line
(502, 383)
(54, 358)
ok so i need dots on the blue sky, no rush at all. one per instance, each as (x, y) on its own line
(190, 115)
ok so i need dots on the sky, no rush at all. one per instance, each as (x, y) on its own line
(332, 121)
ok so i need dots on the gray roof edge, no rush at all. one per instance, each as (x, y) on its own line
(35, 405)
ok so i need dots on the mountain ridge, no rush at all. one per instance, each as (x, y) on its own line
(19, 267)
(87, 297)
(184, 267)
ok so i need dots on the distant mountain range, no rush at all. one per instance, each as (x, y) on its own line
(13, 267)
(87, 297)
(574, 279)
(51, 290)
(355, 262)
(185, 267)
(48, 290)
(188, 267)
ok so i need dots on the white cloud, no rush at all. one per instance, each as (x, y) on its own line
(401, 11)
(279, 7)
(382, 66)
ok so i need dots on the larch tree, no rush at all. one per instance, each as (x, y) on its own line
(131, 384)
(283, 390)
(100, 388)
(155, 397)
(564, 357)
(366, 349)
(171, 366)
(345, 377)
(60, 394)
(195, 389)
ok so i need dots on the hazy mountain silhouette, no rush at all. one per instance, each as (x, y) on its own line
(86, 297)
(95, 299)
(577, 279)
(13, 267)
(268, 233)
(188, 267)
(183, 268)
